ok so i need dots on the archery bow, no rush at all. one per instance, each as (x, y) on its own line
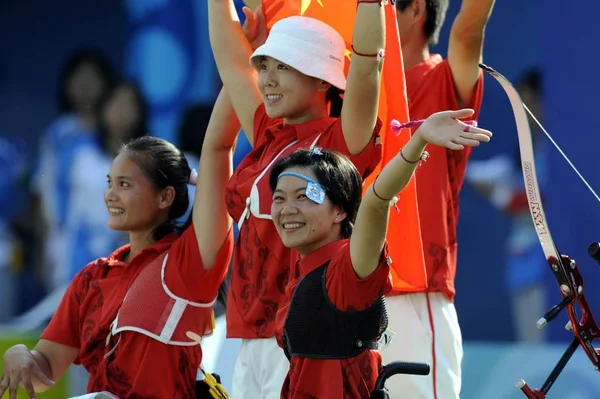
(584, 327)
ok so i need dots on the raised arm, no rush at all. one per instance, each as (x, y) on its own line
(212, 222)
(368, 237)
(361, 98)
(232, 51)
(465, 50)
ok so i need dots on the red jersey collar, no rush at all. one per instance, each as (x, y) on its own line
(302, 131)
(320, 256)
(116, 258)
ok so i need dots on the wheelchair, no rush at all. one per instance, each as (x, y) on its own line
(210, 387)
(394, 368)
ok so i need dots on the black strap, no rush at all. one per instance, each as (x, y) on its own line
(368, 345)
(285, 348)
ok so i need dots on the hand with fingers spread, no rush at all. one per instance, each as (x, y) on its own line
(255, 26)
(20, 367)
(444, 129)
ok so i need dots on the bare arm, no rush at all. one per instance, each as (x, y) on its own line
(371, 224)
(53, 359)
(370, 229)
(361, 98)
(465, 50)
(211, 219)
(232, 51)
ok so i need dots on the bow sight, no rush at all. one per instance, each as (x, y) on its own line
(586, 329)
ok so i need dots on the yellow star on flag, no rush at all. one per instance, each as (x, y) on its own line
(306, 3)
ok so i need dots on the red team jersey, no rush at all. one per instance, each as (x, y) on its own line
(140, 366)
(261, 263)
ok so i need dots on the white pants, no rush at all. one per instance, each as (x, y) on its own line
(427, 330)
(260, 370)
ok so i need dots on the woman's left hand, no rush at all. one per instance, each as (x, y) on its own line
(444, 129)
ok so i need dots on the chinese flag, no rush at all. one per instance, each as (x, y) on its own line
(404, 234)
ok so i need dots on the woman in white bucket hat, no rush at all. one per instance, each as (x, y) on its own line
(285, 95)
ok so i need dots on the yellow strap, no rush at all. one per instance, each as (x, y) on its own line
(215, 389)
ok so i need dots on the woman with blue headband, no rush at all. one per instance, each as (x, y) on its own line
(334, 312)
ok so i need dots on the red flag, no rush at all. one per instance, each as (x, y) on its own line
(404, 234)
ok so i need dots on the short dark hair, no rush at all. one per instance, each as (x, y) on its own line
(436, 14)
(192, 127)
(336, 173)
(138, 131)
(164, 165)
(77, 59)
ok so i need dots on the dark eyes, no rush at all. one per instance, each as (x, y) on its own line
(263, 66)
(280, 199)
(121, 183)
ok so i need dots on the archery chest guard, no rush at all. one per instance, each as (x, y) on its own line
(315, 328)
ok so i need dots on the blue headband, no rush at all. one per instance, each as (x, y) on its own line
(314, 190)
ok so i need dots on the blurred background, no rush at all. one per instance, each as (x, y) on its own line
(146, 65)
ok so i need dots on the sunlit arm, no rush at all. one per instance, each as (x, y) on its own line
(465, 50)
(368, 237)
(361, 98)
(232, 51)
(212, 222)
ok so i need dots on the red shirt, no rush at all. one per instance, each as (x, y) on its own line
(261, 262)
(352, 378)
(140, 367)
(430, 89)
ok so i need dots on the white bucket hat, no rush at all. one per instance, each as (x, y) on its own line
(307, 45)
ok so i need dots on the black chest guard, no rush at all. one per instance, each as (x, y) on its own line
(315, 328)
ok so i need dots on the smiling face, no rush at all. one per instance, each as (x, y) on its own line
(290, 94)
(133, 202)
(302, 224)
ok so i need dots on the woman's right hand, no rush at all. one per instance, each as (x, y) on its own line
(20, 367)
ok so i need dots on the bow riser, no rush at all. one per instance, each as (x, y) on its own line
(586, 330)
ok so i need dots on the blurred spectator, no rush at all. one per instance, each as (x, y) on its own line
(500, 180)
(122, 116)
(85, 78)
(12, 171)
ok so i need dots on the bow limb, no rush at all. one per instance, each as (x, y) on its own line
(585, 329)
(532, 188)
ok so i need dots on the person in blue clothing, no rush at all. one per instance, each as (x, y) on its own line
(84, 80)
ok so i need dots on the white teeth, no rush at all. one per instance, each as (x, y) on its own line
(117, 211)
(274, 96)
(292, 225)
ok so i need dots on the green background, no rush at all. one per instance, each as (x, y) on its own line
(58, 392)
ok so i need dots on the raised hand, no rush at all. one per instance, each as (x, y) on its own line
(444, 129)
(255, 26)
(20, 367)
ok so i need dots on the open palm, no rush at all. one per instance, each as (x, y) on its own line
(444, 129)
